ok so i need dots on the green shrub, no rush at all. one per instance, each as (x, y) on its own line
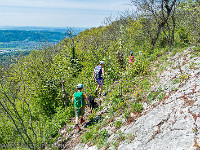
(95, 136)
(118, 124)
(126, 114)
(161, 96)
(58, 120)
(152, 95)
(183, 35)
(137, 107)
(141, 65)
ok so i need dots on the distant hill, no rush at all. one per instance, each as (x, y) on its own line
(16, 41)
(40, 36)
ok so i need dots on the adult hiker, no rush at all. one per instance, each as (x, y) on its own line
(79, 99)
(131, 58)
(98, 75)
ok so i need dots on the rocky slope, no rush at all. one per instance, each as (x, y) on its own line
(170, 123)
(175, 122)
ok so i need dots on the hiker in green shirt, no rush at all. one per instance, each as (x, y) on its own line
(79, 99)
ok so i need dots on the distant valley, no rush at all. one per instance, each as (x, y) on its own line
(14, 40)
(28, 38)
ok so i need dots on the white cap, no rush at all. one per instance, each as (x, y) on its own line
(101, 62)
(79, 86)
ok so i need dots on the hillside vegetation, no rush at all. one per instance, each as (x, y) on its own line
(162, 115)
(33, 105)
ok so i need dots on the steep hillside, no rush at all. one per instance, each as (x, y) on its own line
(171, 111)
(145, 103)
(173, 122)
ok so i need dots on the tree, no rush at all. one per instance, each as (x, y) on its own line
(71, 43)
(9, 107)
(159, 13)
(188, 18)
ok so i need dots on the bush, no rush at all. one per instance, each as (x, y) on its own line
(60, 118)
(118, 124)
(95, 136)
(141, 65)
(137, 107)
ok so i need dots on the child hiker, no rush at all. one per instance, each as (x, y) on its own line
(131, 58)
(79, 99)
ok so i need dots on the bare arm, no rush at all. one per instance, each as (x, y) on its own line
(73, 99)
(85, 97)
(94, 74)
(103, 72)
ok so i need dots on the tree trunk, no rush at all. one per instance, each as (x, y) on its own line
(165, 19)
(174, 25)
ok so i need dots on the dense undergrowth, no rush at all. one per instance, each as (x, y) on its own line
(32, 107)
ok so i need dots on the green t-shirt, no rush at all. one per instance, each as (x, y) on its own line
(79, 100)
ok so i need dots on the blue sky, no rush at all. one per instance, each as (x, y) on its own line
(59, 13)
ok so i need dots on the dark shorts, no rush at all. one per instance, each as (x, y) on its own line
(100, 81)
(79, 112)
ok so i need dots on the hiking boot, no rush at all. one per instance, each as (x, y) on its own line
(82, 120)
(95, 92)
(77, 127)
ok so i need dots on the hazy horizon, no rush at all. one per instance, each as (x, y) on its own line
(59, 13)
(44, 26)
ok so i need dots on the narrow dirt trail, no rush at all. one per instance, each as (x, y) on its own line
(70, 136)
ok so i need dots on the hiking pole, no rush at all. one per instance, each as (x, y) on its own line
(89, 86)
(64, 92)
(121, 88)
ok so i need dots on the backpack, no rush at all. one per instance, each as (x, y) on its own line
(78, 100)
(97, 72)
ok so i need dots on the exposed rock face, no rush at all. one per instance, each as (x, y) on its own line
(174, 123)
